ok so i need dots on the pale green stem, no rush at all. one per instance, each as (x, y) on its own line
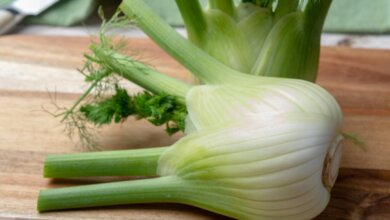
(163, 189)
(140, 73)
(226, 6)
(202, 65)
(168, 189)
(138, 162)
(195, 22)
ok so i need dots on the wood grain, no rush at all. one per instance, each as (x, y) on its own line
(360, 194)
(33, 69)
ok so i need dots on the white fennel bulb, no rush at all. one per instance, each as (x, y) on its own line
(267, 151)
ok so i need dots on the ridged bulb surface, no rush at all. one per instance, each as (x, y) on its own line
(257, 152)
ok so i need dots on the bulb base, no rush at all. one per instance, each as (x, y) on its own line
(332, 163)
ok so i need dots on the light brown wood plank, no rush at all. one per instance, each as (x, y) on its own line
(358, 78)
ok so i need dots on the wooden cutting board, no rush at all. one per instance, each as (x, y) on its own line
(37, 71)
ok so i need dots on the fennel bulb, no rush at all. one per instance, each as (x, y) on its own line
(253, 159)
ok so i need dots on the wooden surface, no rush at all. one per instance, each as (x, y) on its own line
(35, 69)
